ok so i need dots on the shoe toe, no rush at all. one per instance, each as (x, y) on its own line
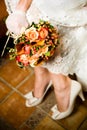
(29, 95)
(32, 102)
(55, 112)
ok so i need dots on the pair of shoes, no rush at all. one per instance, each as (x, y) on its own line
(33, 101)
(76, 90)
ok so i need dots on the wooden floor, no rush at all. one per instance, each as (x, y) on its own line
(14, 83)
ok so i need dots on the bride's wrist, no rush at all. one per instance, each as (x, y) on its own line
(23, 5)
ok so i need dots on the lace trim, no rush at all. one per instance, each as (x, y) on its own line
(10, 5)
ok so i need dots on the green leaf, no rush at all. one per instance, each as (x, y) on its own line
(47, 54)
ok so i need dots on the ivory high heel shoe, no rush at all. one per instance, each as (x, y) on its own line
(76, 90)
(33, 101)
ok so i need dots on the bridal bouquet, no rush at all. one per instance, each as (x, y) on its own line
(35, 45)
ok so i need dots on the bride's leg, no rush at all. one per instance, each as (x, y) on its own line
(66, 91)
(61, 85)
(42, 79)
(41, 86)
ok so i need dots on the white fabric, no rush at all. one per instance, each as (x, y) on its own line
(16, 21)
(65, 12)
(59, 4)
(71, 55)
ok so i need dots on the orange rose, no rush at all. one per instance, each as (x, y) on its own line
(32, 34)
(43, 33)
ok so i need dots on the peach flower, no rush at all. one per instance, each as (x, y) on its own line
(32, 34)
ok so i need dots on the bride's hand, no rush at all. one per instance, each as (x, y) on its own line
(15, 21)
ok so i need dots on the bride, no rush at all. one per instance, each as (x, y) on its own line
(70, 16)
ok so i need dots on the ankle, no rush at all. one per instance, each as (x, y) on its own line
(42, 79)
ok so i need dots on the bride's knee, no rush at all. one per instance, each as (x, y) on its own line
(59, 81)
(58, 76)
(40, 70)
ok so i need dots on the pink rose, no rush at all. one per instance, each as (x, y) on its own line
(23, 59)
(27, 49)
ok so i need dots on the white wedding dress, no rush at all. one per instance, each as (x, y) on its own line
(70, 16)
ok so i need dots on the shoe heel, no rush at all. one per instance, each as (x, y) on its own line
(81, 95)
